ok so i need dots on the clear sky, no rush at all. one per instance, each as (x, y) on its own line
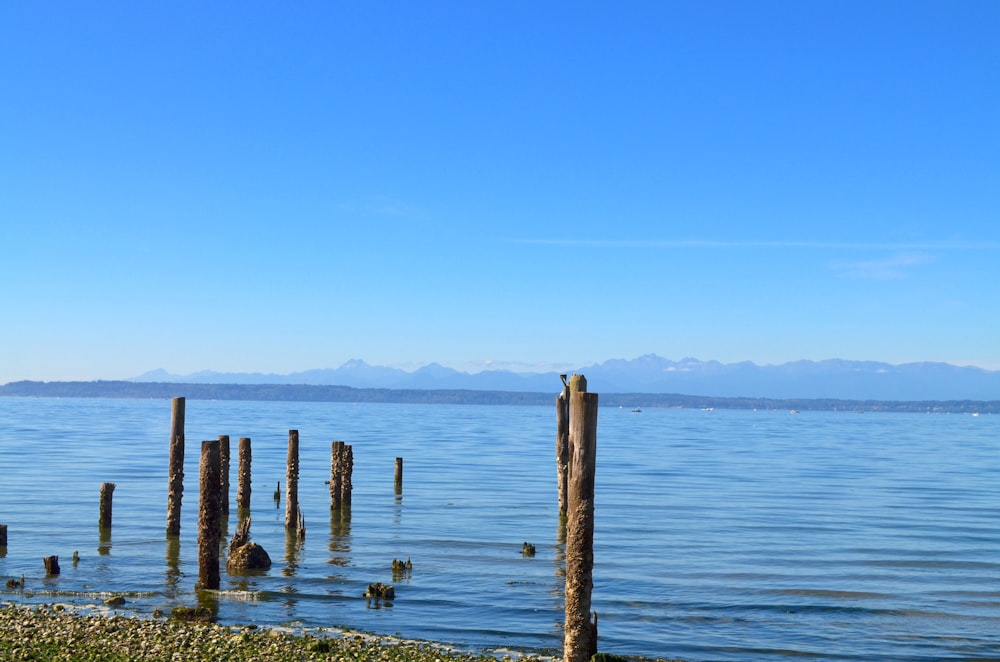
(274, 187)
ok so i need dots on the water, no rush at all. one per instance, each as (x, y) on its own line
(720, 535)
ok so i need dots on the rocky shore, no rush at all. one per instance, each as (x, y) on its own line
(54, 633)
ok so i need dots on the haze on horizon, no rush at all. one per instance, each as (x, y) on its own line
(527, 187)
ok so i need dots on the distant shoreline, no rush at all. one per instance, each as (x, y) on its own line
(321, 393)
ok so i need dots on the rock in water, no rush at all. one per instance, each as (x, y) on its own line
(250, 556)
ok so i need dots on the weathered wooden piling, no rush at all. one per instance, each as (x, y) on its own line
(209, 516)
(175, 476)
(243, 475)
(562, 444)
(3, 535)
(51, 565)
(580, 635)
(224, 474)
(107, 490)
(341, 468)
(292, 482)
(336, 450)
(398, 478)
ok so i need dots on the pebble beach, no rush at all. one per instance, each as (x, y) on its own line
(54, 632)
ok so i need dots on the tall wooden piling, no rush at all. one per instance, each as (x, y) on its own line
(292, 481)
(175, 476)
(398, 477)
(107, 490)
(51, 565)
(224, 474)
(341, 467)
(562, 445)
(347, 470)
(243, 476)
(209, 515)
(336, 451)
(580, 635)
(3, 535)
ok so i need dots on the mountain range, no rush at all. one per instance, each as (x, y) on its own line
(833, 378)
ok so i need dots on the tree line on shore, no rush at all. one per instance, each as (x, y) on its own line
(323, 393)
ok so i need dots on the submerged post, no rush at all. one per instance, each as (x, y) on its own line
(398, 480)
(175, 476)
(107, 490)
(562, 444)
(243, 476)
(224, 474)
(292, 481)
(580, 636)
(209, 516)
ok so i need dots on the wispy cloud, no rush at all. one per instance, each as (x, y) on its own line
(940, 245)
(892, 267)
(378, 208)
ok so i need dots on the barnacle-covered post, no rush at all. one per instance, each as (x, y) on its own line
(175, 475)
(341, 467)
(224, 474)
(562, 445)
(243, 477)
(107, 491)
(580, 635)
(209, 516)
(292, 482)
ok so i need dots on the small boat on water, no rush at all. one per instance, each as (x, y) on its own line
(636, 410)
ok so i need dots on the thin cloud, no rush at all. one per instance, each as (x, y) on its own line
(893, 267)
(379, 208)
(943, 245)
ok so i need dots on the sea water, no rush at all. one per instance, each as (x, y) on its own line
(720, 535)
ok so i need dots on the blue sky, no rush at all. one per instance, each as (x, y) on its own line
(275, 187)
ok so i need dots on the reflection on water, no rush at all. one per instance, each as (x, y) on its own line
(340, 537)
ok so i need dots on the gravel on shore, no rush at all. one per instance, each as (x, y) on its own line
(54, 633)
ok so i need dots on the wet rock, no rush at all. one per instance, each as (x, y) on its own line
(380, 591)
(250, 556)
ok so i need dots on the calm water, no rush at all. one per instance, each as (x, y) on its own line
(720, 535)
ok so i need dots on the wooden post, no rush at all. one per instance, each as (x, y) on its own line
(336, 457)
(209, 516)
(292, 482)
(3, 535)
(562, 444)
(398, 481)
(243, 476)
(107, 490)
(347, 469)
(175, 476)
(51, 565)
(224, 474)
(580, 640)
